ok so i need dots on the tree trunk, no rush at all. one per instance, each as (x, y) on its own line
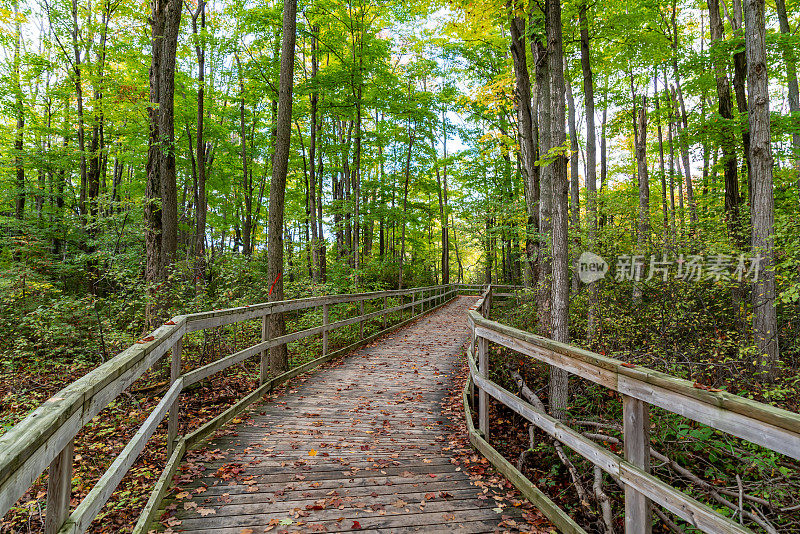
(591, 160)
(574, 184)
(545, 281)
(683, 132)
(312, 151)
(728, 136)
(765, 320)
(559, 378)
(527, 130)
(643, 233)
(79, 103)
(19, 197)
(277, 327)
(789, 58)
(201, 205)
(405, 208)
(662, 170)
(166, 112)
(247, 187)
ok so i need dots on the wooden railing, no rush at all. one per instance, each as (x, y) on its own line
(770, 427)
(44, 440)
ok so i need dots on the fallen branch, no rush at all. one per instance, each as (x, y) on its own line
(605, 502)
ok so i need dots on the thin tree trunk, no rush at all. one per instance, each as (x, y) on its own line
(277, 192)
(201, 205)
(662, 170)
(527, 131)
(728, 141)
(405, 208)
(643, 230)
(79, 103)
(19, 197)
(312, 151)
(247, 219)
(790, 59)
(591, 160)
(683, 130)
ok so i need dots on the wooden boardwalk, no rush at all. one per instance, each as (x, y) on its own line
(359, 445)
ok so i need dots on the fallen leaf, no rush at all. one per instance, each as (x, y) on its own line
(356, 526)
(206, 511)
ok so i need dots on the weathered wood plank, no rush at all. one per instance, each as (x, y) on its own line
(636, 431)
(174, 375)
(28, 448)
(59, 489)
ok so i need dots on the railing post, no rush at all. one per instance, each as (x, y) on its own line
(483, 398)
(361, 323)
(472, 348)
(59, 489)
(264, 363)
(174, 374)
(325, 332)
(385, 305)
(636, 430)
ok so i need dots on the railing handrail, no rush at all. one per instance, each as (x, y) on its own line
(46, 434)
(768, 426)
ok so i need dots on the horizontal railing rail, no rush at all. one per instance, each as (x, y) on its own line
(44, 440)
(639, 387)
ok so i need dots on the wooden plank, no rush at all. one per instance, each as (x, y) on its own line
(263, 365)
(325, 322)
(174, 375)
(596, 374)
(94, 501)
(361, 316)
(675, 501)
(483, 399)
(150, 510)
(636, 431)
(59, 489)
(555, 514)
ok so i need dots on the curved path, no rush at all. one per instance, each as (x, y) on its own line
(359, 445)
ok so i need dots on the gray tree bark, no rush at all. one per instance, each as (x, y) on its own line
(559, 378)
(765, 320)
(545, 279)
